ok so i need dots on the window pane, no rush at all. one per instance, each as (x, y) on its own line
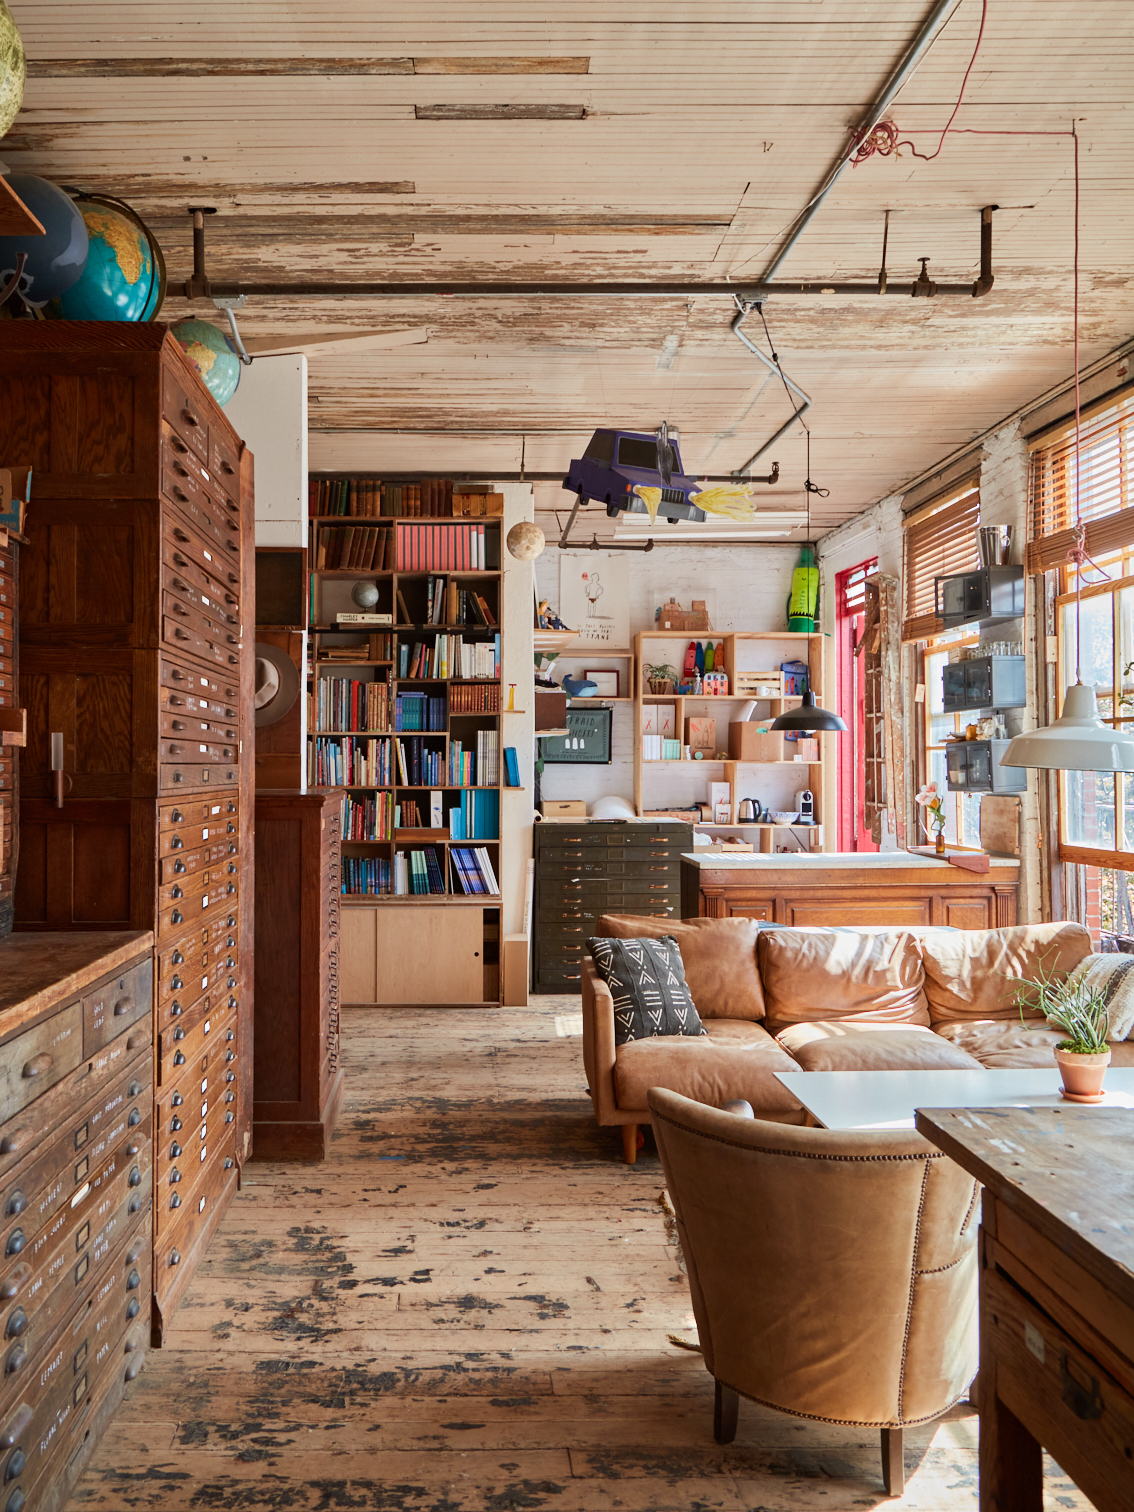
(1097, 666)
(1110, 904)
(1088, 808)
(933, 689)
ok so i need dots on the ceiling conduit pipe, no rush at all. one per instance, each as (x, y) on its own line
(742, 312)
(913, 55)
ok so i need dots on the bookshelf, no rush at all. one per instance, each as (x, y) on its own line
(405, 721)
(752, 660)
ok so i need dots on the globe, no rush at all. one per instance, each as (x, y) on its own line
(124, 278)
(212, 354)
(525, 541)
(365, 595)
(13, 69)
(55, 260)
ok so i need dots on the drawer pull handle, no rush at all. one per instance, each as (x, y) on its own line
(136, 1041)
(228, 1117)
(174, 1176)
(134, 1369)
(177, 959)
(174, 1150)
(176, 983)
(177, 1099)
(175, 1257)
(230, 1076)
(11, 1288)
(124, 1005)
(17, 1463)
(177, 893)
(9, 1144)
(180, 561)
(175, 1201)
(134, 1089)
(231, 982)
(17, 1359)
(134, 1119)
(175, 1010)
(1083, 1400)
(177, 494)
(189, 417)
(133, 1281)
(228, 1162)
(178, 724)
(135, 1177)
(176, 918)
(16, 1324)
(38, 1066)
(175, 1123)
(134, 1206)
(179, 1033)
(176, 843)
(178, 1059)
(133, 1307)
(179, 867)
(17, 1202)
(179, 535)
(16, 1502)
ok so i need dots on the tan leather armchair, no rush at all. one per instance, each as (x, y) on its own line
(833, 1274)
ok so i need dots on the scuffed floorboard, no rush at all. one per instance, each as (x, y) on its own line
(466, 1309)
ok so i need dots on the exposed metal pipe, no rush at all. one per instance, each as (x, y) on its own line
(743, 311)
(912, 57)
(489, 476)
(566, 544)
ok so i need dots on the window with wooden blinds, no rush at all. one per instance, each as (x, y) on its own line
(1105, 505)
(937, 544)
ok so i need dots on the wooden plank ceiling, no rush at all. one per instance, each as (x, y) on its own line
(584, 141)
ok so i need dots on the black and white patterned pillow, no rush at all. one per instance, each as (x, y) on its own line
(647, 981)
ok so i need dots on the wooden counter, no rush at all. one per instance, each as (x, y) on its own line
(824, 890)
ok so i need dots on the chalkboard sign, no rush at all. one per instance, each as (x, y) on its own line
(587, 742)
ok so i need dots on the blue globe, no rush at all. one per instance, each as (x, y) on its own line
(212, 354)
(124, 278)
(56, 260)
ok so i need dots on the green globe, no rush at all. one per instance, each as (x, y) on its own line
(212, 354)
(124, 278)
(13, 69)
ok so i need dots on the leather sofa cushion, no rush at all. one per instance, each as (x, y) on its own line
(839, 1046)
(719, 956)
(734, 1059)
(1004, 1045)
(821, 974)
(974, 973)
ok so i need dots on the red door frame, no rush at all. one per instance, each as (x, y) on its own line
(850, 771)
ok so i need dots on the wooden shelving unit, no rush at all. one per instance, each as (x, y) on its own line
(465, 964)
(739, 649)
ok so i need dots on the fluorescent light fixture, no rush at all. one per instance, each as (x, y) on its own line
(769, 525)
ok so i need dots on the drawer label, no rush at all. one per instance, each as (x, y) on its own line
(1034, 1340)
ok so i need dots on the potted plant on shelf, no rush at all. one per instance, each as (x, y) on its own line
(1081, 1012)
(660, 676)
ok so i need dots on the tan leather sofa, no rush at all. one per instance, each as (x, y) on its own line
(790, 999)
(864, 1243)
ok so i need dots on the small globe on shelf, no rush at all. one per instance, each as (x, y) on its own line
(124, 278)
(55, 260)
(212, 354)
(365, 595)
(13, 69)
(525, 541)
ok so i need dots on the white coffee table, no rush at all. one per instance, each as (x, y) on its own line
(887, 1099)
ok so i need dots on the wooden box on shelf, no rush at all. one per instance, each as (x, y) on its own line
(550, 709)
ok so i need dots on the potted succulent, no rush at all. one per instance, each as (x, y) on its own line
(660, 676)
(1081, 1012)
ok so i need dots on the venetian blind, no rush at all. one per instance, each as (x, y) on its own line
(938, 543)
(1105, 504)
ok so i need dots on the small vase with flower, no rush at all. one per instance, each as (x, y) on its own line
(932, 805)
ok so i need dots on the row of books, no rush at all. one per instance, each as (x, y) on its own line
(419, 764)
(449, 604)
(474, 698)
(419, 711)
(472, 869)
(476, 816)
(475, 769)
(371, 818)
(369, 497)
(421, 872)
(349, 762)
(354, 548)
(441, 548)
(367, 876)
(449, 656)
(348, 703)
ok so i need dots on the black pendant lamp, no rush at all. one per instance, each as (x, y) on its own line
(809, 718)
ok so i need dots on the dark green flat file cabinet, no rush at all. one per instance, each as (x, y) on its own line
(588, 869)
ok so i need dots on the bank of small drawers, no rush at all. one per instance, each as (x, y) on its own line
(586, 870)
(76, 1184)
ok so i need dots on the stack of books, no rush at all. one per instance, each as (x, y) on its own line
(369, 818)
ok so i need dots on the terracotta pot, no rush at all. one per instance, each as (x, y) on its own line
(1082, 1074)
(660, 685)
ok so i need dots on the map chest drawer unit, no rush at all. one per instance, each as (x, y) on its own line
(590, 868)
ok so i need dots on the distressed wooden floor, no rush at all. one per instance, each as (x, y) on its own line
(467, 1308)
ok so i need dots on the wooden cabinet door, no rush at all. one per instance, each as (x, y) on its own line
(412, 953)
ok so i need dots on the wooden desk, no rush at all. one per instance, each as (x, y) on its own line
(1056, 1296)
(817, 890)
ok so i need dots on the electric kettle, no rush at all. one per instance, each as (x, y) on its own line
(749, 812)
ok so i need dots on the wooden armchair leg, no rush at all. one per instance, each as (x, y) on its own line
(893, 1465)
(630, 1143)
(725, 1409)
